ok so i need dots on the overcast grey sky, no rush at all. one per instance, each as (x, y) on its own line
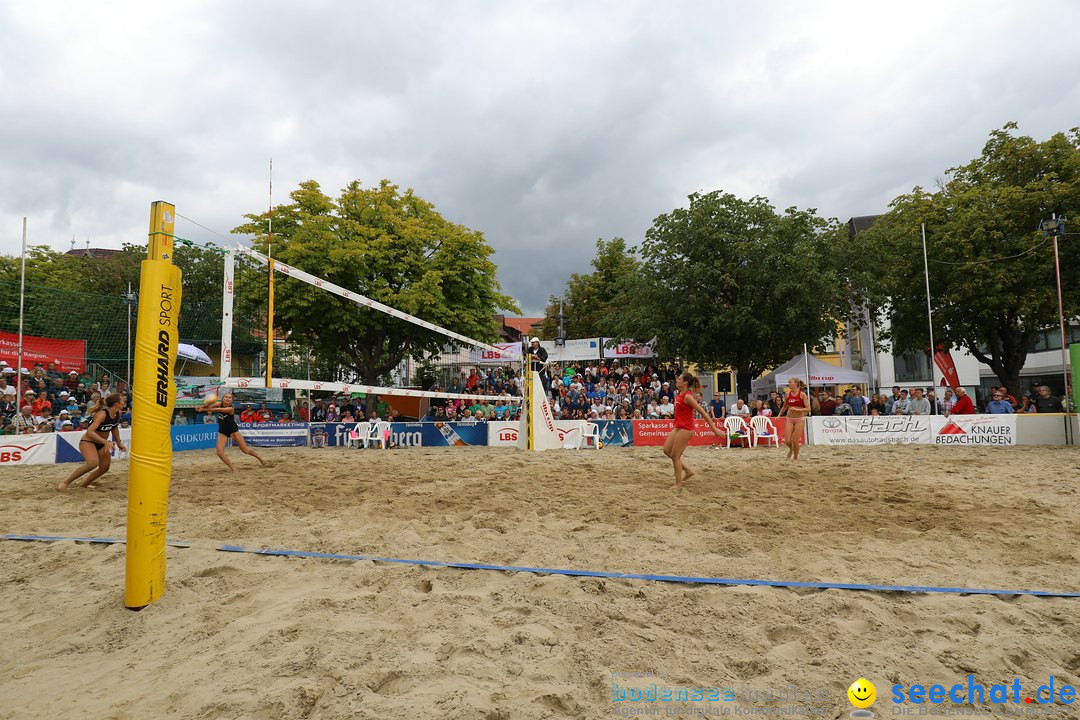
(545, 125)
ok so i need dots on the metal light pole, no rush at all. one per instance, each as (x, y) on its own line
(1055, 227)
(129, 299)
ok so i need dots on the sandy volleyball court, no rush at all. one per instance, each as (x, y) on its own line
(244, 636)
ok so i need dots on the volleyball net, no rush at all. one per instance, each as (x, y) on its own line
(442, 373)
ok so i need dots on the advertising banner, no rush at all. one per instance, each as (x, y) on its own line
(194, 437)
(654, 432)
(67, 446)
(504, 433)
(499, 354)
(275, 434)
(628, 349)
(38, 449)
(440, 434)
(68, 355)
(872, 430)
(993, 430)
(572, 350)
(190, 389)
(986, 430)
(616, 433)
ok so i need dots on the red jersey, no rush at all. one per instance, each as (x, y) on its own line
(684, 414)
(795, 400)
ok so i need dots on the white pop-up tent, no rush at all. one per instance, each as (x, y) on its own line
(821, 373)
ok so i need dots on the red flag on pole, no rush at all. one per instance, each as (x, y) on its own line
(944, 361)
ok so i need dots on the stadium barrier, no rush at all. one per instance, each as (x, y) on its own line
(959, 430)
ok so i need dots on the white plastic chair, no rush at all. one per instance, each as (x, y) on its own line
(735, 424)
(381, 434)
(359, 435)
(590, 430)
(764, 429)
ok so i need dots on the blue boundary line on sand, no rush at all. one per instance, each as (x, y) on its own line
(689, 580)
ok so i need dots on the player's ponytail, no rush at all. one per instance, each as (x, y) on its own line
(692, 383)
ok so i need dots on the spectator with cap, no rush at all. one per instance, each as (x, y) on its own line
(998, 405)
(71, 382)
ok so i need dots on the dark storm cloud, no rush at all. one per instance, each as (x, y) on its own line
(545, 126)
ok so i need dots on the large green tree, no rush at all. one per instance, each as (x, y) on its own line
(391, 246)
(733, 282)
(992, 281)
(590, 297)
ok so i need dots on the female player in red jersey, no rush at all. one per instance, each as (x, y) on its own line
(796, 407)
(685, 405)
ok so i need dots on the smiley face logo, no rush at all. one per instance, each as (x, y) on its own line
(862, 693)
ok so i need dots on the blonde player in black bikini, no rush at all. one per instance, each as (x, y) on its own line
(226, 417)
(95, 445)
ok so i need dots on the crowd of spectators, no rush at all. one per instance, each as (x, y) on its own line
(52, 400)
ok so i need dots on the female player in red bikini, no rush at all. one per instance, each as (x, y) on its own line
(685, 405)
(796, 407)
(95, 445)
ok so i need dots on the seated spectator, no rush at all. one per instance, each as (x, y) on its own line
(266, 415)
(948, 402)
(963, 405)
(287, 418)
(666, 408)
(1045, 402)
(180, 418)
(1026, 406)
(998, 405)
(248, 414)
(901, 405)
(331, 413)
(919, 405)
(762, 408)
(24, 421)
(827, 403)
(741, 409)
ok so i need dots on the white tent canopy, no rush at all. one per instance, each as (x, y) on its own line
(821, 373)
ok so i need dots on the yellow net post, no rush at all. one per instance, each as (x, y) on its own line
(154, 392)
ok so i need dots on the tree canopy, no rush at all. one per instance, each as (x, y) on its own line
(391, 246)
(590, 297)
(733, 282)
(992, 280)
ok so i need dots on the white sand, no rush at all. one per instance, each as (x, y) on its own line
(244, 636)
